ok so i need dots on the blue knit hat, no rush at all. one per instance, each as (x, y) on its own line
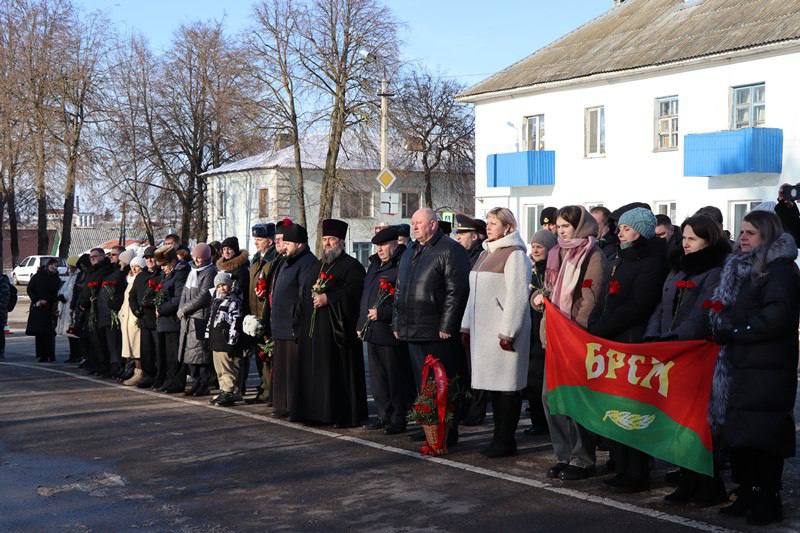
(642, 220)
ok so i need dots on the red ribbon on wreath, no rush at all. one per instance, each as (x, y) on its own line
(440, 378)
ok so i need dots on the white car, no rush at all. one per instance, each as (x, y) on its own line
(22, 273)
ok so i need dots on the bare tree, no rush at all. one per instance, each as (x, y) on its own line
(439, 130)
(274, 42)
(78, 90)
(338, 35)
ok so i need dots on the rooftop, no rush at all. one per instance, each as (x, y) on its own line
(645, 33)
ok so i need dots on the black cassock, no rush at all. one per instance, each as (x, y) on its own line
(332, 361)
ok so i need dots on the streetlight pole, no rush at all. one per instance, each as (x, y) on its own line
(385, 95)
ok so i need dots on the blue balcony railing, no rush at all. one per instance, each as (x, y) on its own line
(515, 169)
(733, 152)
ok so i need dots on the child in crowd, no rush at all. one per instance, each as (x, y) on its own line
(223, 332)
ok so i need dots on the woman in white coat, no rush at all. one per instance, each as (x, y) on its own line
(130, 327)
(497, 326)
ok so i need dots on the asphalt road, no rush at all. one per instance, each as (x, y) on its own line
(85, 454)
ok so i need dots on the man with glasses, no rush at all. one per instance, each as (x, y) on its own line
(110, 296)
(97, 357)
(142, 303)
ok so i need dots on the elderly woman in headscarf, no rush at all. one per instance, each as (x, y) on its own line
(575, 280)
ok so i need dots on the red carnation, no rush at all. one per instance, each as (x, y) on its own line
(391, 291)
(587, 284)
(159, 286)
(330, 277)
(690, 284)
(613, 287)
(687, 284)
(383, 283)
(713, 305)
(92, 284)
(152, 283)
(323, 276)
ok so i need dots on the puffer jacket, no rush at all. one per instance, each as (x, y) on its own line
(432, 289)
(167, 321)
(634, 290)
(380, 331)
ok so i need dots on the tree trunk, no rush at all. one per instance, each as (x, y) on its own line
(69, 209)
(329, 177)
(2, 235)
(11, 204)
(201, 230)
(42, 242)
(298, 167)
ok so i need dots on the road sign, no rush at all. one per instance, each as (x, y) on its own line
(386, 178)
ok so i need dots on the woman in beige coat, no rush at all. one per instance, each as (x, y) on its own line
(129, 326)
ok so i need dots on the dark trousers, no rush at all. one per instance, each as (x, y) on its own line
(757, 468)
(506, 407)
(201, 375)
(3, 340)
(148, 348)
(474, 409)
(286, 378)
(75, 351)
(99, 350)
(113, 338)
(244, 372)
(46, 347)
(390, 380)
(174, 375)
(264, 367)
(533, 391)
(630, 462)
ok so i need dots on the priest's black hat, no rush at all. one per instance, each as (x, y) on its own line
(334, 228)
(389, 233)
(264, 231)
(295, 233)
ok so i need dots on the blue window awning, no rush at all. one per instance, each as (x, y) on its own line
(516, 169)
(733, 152)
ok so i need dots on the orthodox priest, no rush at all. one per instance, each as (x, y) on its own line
(332, 370)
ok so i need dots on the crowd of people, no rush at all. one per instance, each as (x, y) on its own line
(171, 315)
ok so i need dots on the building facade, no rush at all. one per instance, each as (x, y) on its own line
(263, 188)
(646, 103)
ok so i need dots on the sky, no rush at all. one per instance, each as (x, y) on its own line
(468, 39)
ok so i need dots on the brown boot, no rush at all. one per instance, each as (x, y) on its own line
(136, 378)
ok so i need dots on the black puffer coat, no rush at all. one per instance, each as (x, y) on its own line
(239, 268)
(681, 315)
(43, 286)
(634, 290)
(380, 331)
(432, 290)
(167, 321)
(760, 356)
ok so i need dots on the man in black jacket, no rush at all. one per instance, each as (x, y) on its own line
(432, 291)
(169, 369)
(389, 367)
(109, 302)
(97, 357)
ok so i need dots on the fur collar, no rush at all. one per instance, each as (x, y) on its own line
(704, 260)
(511, 240)
(234, 263)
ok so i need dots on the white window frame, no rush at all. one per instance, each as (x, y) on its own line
(364, 196)
(366, 245)
(532, 223)
(667, 125)
(750, 105)
(390, 203)
(734, 225)
(599, 136)
(404, 203)
(533, 124)
(669, 208)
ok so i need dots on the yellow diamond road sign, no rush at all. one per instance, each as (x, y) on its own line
(386, 178)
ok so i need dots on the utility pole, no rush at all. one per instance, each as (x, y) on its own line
(385, 95)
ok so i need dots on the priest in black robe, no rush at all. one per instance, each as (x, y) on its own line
(334, 385)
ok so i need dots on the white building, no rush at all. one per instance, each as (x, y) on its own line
(677, 103)
(262, 188)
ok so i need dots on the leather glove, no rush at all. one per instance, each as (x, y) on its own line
(506, 345)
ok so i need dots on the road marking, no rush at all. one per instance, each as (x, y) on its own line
(572, 493)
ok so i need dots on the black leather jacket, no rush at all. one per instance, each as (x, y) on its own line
(432, 289)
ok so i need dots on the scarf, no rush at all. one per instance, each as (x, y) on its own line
(191, 281)
(563, 273)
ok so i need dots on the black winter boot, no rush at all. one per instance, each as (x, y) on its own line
(766, 508)
(742, 504)
(686, 488)
(506, 417)
(710, 491)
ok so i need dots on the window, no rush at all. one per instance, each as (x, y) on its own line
(737, 212)
(532, 213)
(595, 132)
(666, 123)
(668, 208)
(263, 203)
(533, 132)
(355, 204)
(220, 204)
(390, 203)
(361, 252)
(749, 107)
(409, 202)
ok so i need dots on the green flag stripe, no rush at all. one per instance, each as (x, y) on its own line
(637, 424)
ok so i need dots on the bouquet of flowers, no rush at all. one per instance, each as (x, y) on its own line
(385, 291)
(434, 407)
(265, 349)
(110, 288)
(92, 321)
(319, 288)
(156, 288)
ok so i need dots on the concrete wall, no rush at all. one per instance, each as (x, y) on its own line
(631, 170)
